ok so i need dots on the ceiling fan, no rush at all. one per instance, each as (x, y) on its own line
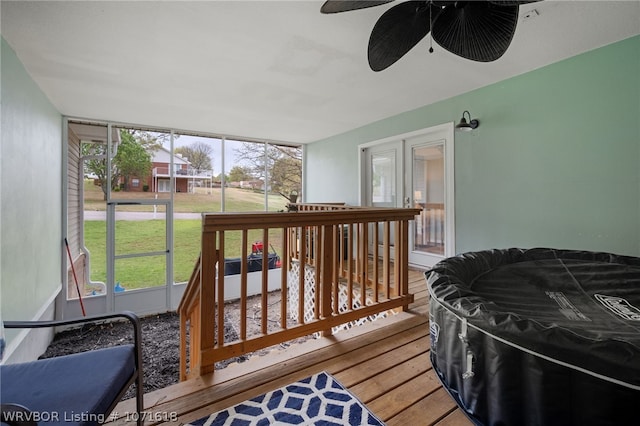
(476, 30)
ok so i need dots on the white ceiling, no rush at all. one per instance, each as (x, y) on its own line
(270, 70)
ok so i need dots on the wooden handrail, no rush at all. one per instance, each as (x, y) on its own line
(357, 259)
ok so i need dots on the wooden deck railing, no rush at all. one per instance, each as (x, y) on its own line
(345, 262)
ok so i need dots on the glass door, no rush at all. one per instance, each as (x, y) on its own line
(426, 191)
(384, 175)
(416, 170)
(139, 256)
(382, 184)
(429, 186)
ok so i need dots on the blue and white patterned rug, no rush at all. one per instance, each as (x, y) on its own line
(316, 400)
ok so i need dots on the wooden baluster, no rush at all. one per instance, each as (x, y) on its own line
(284, 273)
(398, 257)
(220, 294)
(364, 260)
(358, 250)
(342, 233)
(265, 281)
(386, 259)
(301, 281)
(196, 342)
(243, 286)
(326, 249)
(403, 286)
(317, 253)
(375, 262)
(338, 255)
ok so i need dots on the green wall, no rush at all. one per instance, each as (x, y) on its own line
(31, 191)
(555, 161)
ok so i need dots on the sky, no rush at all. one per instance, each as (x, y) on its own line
(231, 159)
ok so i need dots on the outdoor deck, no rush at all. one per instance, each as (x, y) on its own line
(385, 364)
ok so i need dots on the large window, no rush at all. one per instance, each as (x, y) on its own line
(188, 174)
(231, 176)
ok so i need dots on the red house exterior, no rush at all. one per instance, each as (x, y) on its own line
(159, 179)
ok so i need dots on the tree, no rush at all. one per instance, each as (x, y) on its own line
(132, 159)
(218, 178)
(286, 177)
(283, 166)
(96, 164)
(151, 141)
(198, 154)
(240, 173)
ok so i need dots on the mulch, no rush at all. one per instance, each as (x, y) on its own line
(160, 346)
(161, 341)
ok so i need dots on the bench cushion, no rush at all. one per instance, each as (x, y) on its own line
(72, 389)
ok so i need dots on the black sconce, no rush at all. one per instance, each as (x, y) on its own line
(463, 125)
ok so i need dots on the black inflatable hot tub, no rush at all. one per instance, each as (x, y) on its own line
(539, 336)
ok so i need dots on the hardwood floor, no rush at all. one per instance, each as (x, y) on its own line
(385, 364)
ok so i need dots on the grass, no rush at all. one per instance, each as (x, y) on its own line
(139, 237)
(202, 201)
(135, 237)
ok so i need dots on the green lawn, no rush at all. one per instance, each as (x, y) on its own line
(143, 236)
(204, 200)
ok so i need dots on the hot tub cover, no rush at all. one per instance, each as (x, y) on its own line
(538, 336)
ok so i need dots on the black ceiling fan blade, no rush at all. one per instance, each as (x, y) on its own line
(396, 32)
(337, 6)
(476, 30)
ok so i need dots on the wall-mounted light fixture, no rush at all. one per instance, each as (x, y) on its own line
(467, 126)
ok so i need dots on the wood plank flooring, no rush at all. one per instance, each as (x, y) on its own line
(385, 364)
